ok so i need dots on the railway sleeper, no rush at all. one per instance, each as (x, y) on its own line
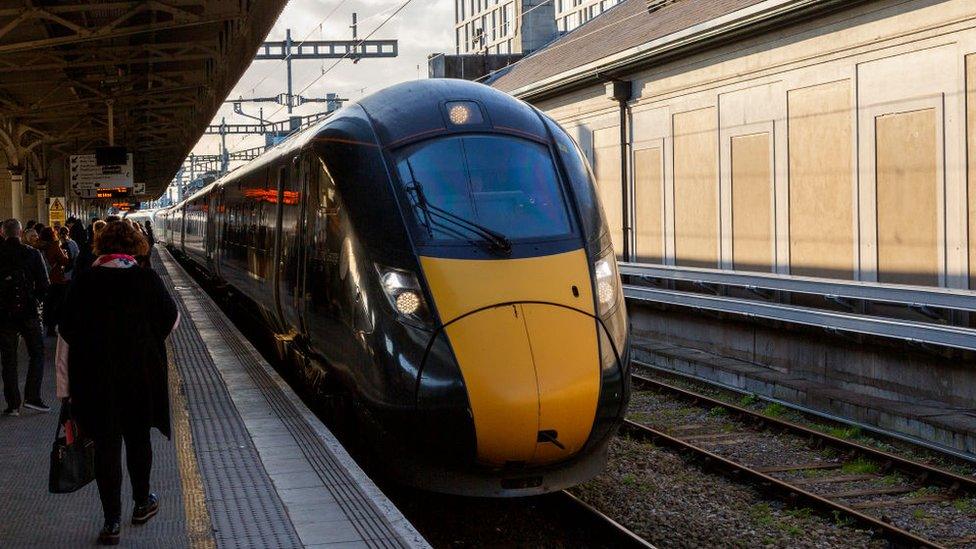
(888, 503)
(779, 489)
(870, 492)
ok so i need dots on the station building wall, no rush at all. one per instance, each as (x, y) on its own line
(844, 147)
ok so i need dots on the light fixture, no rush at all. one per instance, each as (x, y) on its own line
(463, 113)
(402, 289)
(459, 114)
(607, 281)
(408, 302)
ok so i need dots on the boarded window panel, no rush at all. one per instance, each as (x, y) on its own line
(908, 187)
(752, 198)
(971, 133)
(696, 188)
(606, 156)
(649, 182)
(821, 181)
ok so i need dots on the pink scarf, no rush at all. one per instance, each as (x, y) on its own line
(115, 261)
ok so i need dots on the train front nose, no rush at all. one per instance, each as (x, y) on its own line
(525, 340)
(533, 377)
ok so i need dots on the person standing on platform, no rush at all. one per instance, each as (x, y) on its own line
(91, 231)
(57, 263)
(85, 256)
(116, 371)
(30, 237)
(149, 233)
(23, 282)
(71, 249)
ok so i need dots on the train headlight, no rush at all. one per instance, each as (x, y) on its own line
(609, 296)
(403, 291)
(408, 303)
(459, 114)
(463, 113)
(607, 282)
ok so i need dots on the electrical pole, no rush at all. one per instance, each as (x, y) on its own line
(224, 159)
(354, 27)
(288, 61)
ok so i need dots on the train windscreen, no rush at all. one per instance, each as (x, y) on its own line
(508, 186)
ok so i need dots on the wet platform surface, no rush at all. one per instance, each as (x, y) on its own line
(248, 466)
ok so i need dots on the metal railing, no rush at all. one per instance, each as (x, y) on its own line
(915, 296)
(908, 330)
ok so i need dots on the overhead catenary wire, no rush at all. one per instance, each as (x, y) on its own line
(298, 45)
(348, 53)
(367, 37)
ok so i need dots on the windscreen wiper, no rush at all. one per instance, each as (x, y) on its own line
(496, 240)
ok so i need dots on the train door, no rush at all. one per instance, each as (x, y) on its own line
(182, 226)
(295, 208)
(210, 228)
(278, 259)
(218, 213)
(322, 279)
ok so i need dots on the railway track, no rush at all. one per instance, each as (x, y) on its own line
(858, 484)
(613, 533)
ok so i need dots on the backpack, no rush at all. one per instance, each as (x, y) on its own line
(15, 288)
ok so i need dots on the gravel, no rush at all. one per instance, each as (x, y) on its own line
(674, 504)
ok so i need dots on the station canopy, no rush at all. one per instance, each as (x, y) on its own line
(164, 65)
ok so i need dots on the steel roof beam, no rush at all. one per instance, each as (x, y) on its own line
(114, 29)
(53, 63)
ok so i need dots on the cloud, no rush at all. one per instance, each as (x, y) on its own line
(422, 28)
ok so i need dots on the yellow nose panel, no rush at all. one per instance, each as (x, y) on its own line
(564, 352)
(496, 363)
(528, 367)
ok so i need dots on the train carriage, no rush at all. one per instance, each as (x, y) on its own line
(439, 249)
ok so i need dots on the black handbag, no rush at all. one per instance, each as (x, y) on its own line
(72, 465)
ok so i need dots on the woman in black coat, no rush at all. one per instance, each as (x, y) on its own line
(116, 320)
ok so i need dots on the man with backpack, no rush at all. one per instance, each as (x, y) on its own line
(23, 281)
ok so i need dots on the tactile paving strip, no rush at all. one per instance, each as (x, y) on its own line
(30, 517)
(358, 508)
(244, 507)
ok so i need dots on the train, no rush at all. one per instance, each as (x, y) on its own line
(142, 216)
(437, 253)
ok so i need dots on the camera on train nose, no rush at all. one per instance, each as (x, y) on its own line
(403, 292)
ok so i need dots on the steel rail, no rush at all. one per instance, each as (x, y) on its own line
(618, 535)
(920, 332)
(931, 474)
(917, 296)
(775, 487)
(820, 415)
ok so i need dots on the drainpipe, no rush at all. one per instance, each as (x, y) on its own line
(621, 92)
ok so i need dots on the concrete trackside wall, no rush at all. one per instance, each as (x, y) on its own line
(913, 391)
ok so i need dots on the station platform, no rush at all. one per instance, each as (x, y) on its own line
(249, 465)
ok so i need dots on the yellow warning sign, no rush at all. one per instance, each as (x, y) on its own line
(56, 212)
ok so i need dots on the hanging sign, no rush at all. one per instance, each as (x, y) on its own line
(85, 174)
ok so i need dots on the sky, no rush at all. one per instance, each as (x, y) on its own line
(422, 28)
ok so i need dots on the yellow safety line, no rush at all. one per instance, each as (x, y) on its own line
(198, 525)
